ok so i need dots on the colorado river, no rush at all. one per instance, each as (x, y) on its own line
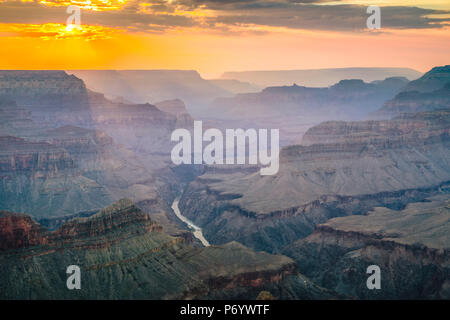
(197, 231)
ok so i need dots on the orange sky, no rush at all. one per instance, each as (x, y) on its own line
(238, 46)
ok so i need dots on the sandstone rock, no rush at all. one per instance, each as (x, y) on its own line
(123, 254)
(410, 247)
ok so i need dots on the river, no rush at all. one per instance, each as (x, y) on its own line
(197, 230)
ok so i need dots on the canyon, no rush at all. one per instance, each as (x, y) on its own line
(86, 178)
(123, 254)
(410, 246)
(79, 151)
(293, 109)
(356, 166)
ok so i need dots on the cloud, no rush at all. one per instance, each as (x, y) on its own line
(223, 15)
(332, 17)
(130, 16)
(56, 31)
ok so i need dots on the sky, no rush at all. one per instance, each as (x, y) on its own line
(214, 36)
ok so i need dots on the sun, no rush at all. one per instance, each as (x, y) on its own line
(73, 29)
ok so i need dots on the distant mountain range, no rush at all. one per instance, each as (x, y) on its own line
(236, 86)
(295, 108)
(318, 77)
(347, 99)
(151, 86)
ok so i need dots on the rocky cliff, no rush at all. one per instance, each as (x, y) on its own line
(429, 92)
(410, 246)
(143, 128)
(432, 80)
(55, 99)
(51, 96)
(19, 155)
(16, 120)
(346, 168)
(67, 170)
(415, 101)
(19, 231)
(45, 179)
(177, 108)
(96, 151)
(123, 254)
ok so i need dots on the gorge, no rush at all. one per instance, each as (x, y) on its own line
(88, 180)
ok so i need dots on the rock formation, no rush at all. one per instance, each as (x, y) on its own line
(429, 92)
(410, 246)
(123, 254)
(343, 168)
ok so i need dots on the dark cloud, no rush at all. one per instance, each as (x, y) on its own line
(128, 17)
(30, 12)
(296, 14)
(336, 17)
